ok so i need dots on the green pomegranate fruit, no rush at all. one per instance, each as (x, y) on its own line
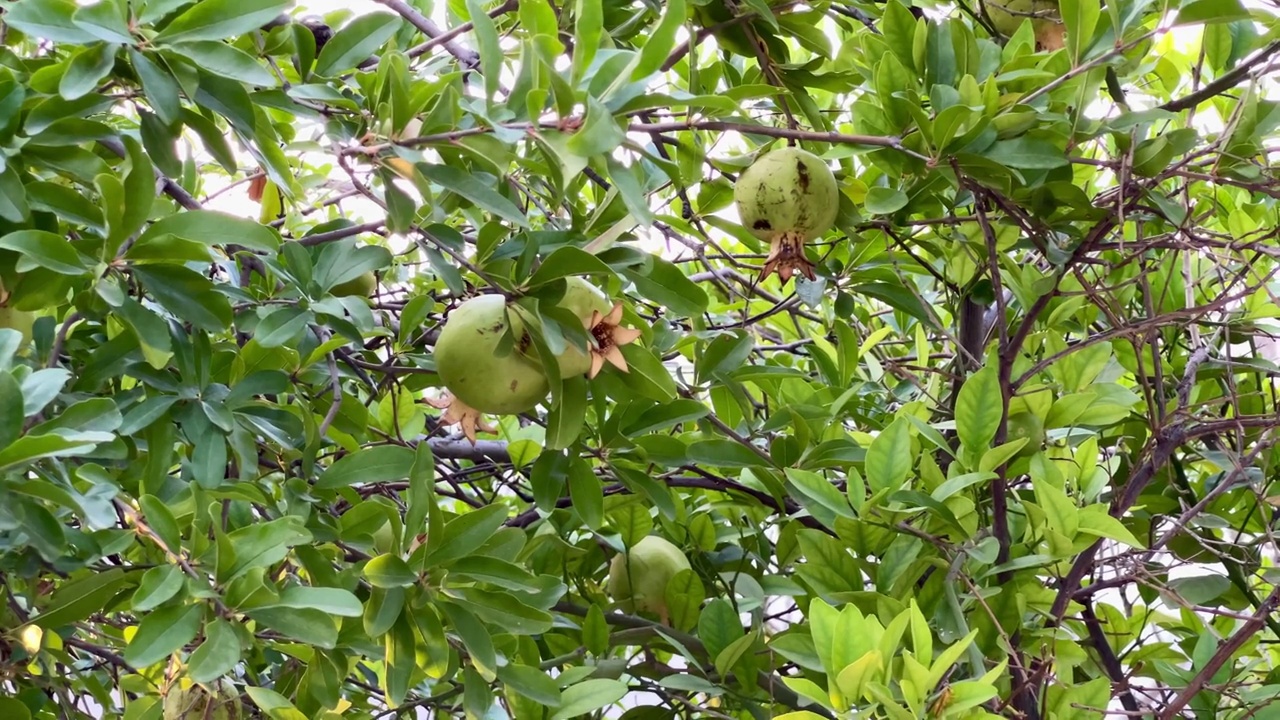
(582, 299)
(1046, 20)
(197, 703)
(467, 360)
(1025, 425)
(788, 197)
(638, 578)
(359, 286)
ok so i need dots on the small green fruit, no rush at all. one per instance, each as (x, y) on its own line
(638, 578)
(1025, 425)
(468, 364)
(359, 286)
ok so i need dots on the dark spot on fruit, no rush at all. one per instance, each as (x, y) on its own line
(514, 385)
(761, 224)
(496, 327)
(802, 174)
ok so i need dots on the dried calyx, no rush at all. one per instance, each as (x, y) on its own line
(788, 197)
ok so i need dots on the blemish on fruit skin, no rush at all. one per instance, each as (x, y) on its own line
(514, 384)
(802, 175)
(761, 224)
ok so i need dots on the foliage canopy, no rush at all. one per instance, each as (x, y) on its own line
(1009, 454)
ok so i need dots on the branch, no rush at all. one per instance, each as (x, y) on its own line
(1220, 657)
(1224, 83)
(469, 59)
(493, 450)
(339, 234)
(891, 141)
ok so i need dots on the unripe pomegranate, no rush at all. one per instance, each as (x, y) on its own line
(788, 197)
(582, 299)
(361, 285)
(467, 360)
(638, 578)
(1026, 425)
(1045, 16)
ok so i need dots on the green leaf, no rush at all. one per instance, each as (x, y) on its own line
(11, 414)
(400, 645)
(589, 696)
(78, 599)
(660, 43)
(228, 61)
(465, 534)
(33, 447)
(684, 596)
(1027, 154)
(818, 493)
(725, 454)
(262, 545)
(356, 42)
(219, 652)
(87, 69)
(14, 709)
(215, 229)
(889, 458)
(13, 196)
(389, 571)
(160, 87)
(158, 586)
(1211, 11)
(158, 517)
(486, 35)
(1061, 512)
(647, 374)
(475, 637)
(664, 284)
(565, 421)
(382, 463)
(532, 683)
(334, 601)
(1081, 19)
(566, 261)
(220, 19)
(44, 249)
(275, 705)
(599, 133)
(587, 493)
(312, 627)
(467, 186)
(978, 410)
(1095, 520)
(885, 201)
(719, 626)
(105, 21)
(48, 19)
(163, 633)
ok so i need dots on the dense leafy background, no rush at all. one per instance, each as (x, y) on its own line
(216, 471)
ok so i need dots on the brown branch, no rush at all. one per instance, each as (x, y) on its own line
(469, 59)
(1224, 652)
(1228, 80)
